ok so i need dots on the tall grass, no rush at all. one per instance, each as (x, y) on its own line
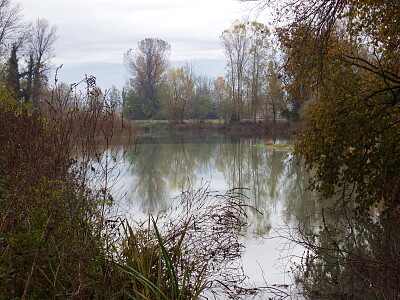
(150, 283)
(190, 249)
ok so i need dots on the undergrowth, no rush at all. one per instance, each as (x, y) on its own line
(57, 237)
(50, 221)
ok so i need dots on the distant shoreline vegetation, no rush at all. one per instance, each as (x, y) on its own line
(252, 128)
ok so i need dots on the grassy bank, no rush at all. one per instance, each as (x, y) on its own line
(244, 127)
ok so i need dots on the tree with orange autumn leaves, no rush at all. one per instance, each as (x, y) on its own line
(342, 63)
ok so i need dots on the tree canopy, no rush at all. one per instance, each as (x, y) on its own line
(343, 61)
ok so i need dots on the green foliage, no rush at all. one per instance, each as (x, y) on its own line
(352, 95)
(135, 107)
(352, 133)
(202, 107)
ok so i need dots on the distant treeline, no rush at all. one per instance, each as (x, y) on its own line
(253, 87)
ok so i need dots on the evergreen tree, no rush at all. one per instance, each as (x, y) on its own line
(12, 74)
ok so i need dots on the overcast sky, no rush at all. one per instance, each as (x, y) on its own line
(94, 34)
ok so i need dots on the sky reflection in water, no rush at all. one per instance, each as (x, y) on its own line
(161, 167)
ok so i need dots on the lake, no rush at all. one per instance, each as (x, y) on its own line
(159, 168)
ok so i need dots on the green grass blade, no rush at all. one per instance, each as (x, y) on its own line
(168, 262)
(183, 289)
(142, 279)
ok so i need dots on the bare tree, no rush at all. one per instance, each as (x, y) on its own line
(41, 48)
(237, 45)
(10, 20)
(258, 57)
(11, 37)
(247, 48)
(148, 65)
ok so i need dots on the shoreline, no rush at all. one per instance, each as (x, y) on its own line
(248, 128)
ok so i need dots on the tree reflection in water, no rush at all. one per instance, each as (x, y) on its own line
(346, 257)
(349, 256)
(164, 166)
(274, 182)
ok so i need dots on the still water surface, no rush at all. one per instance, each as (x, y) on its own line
(159, 168)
